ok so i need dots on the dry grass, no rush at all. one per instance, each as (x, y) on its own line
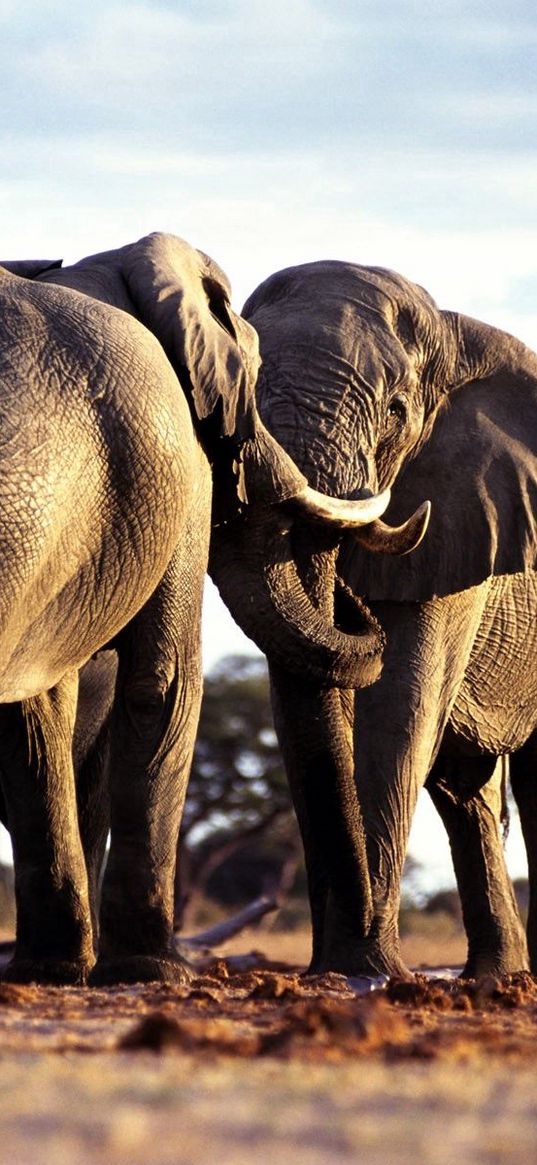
(420, 949)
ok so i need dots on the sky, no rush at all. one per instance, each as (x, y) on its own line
(273, 132)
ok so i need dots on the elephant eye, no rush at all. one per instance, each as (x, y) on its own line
(397, 409)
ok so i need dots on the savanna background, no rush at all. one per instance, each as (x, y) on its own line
(401, 135)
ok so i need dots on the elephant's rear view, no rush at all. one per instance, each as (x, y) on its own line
(126, 387)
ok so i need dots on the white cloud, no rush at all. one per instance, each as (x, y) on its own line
(468, 235)
(247, 73)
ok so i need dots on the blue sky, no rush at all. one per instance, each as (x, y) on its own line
(402, 134)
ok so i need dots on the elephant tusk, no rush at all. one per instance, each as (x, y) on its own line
(340, 512)
(385, 539)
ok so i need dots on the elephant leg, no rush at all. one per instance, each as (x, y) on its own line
(91, 755)
(399, 725)
(468, 794)
(153, 726)
(284, 690)
(523, 765)
(54, 939)
(317, 751)
(93, 806)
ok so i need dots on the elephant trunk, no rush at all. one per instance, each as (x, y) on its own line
(268, 476)
(315, 737)
(253, 565)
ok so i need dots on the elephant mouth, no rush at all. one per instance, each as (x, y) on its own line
(352, 616)
(274, 566)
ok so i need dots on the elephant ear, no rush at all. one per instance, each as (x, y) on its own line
(479, 469)
(30, 268)
(183, 297)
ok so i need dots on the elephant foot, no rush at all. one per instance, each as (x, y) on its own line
(362, 964)
(496, 962)
(48, 972)
(140, 969)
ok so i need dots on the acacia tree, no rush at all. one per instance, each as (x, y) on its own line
(237, 792)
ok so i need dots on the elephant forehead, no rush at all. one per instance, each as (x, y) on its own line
(345, 363)
(335, 340)
(326, 277)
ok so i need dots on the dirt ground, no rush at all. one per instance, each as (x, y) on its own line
(265, 1065)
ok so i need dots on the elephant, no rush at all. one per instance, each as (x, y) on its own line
(127, 390)
(368, 385)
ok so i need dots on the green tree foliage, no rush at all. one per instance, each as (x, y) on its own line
(238, 810)
(237, 780)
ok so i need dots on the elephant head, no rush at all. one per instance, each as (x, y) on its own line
(354, 362)
(215, 354)
(358, 366)
(183, 298)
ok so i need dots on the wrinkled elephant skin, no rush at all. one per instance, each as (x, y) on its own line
(369, 385)
(125, 379)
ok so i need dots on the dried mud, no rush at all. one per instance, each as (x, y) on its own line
(279, 1013)
(266, 1064)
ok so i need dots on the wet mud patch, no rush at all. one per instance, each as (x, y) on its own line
(264, 1013)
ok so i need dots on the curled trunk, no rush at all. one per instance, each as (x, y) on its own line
(254, 568)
